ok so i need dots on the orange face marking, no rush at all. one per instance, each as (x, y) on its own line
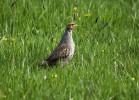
(71, 26)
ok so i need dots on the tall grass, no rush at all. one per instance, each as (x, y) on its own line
(106, 61)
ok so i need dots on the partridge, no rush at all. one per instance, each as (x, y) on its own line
(64, 51)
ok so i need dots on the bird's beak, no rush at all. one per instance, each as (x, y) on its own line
(75, 25)
(72, 25)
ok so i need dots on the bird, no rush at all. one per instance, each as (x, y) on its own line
(64, 50)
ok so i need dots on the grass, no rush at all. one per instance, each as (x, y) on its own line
(106, 61)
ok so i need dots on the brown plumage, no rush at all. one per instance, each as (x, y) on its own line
(64, 51)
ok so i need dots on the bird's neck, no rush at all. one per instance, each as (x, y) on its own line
(67, 37)
(68, 32)
(68, 29)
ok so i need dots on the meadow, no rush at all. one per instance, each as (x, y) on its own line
(105, 65)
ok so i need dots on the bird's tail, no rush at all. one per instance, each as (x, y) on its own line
(43, 63)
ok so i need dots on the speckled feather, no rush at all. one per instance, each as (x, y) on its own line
(60, 53)
(63, 52)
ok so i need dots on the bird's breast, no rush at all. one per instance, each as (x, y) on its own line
(72, 49)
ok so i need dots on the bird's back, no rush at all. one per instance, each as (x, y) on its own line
(64, 51)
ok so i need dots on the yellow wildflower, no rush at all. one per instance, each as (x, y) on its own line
(132, 78)
(12, 39)
(4, 39)
(7, 39)
(75, 8)
(54, 75)
(2, 96)
(87, 15)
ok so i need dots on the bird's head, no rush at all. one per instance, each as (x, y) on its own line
(71, 26)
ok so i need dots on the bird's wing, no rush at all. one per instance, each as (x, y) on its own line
(61, 52)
